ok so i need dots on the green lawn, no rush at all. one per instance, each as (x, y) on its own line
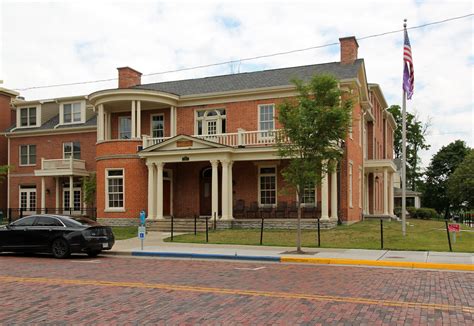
(125, 232)
(421, 235)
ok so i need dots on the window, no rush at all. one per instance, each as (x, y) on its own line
(27, 154)
(26, 221)
(125, 127)
(267, 176)
(211, 122)
(28, 198)
(72, 113)
(48, 221)
(350, 184)
(28, 117)
(72, 149)
(265, 115)
(309, 195)
(115, 189)
(157, 126)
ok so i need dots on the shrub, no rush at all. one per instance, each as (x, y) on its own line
(412, 211)
(426, 213)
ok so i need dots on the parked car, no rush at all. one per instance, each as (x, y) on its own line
(56, 234)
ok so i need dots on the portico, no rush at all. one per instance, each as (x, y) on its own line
(379, 174)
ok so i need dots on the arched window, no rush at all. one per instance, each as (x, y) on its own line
(211, 122)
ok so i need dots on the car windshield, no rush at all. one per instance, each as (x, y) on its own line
(83, 221)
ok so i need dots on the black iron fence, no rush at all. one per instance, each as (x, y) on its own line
(12, 214)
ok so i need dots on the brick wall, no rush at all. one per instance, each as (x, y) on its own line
(6, 119)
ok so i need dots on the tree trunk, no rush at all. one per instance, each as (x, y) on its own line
(298, 228)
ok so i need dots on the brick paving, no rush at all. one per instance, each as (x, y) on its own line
(38, 289)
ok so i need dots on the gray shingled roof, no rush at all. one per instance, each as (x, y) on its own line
(253, 80)
(49, 125)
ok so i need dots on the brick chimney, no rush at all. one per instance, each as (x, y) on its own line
(128, 77)
(349, 48)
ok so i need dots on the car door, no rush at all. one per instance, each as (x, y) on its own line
(18, 236)
(44, 230)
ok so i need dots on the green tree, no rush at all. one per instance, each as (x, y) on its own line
(461, 182)
(416, 132)
(3, 172)
(315, 122)
(89, 185)
(442, 165)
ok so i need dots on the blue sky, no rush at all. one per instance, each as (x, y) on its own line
(51, 42)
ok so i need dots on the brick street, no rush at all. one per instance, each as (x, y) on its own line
(110, 290)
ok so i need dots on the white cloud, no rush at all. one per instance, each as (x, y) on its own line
(44, 42)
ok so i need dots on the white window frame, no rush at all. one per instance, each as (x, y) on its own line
(28, 191)
(259, 184)
(28, 155)
(151, 124)
(350, 183)
(107, 207)
(38, 116)
(72, 122)
(260, 106)
(315, 204)
(71, 143)
(205, 119)
(118, 127)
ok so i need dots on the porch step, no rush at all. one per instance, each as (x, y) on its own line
(179, 225)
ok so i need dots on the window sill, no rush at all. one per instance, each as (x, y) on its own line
(114, 210)
(26, 165)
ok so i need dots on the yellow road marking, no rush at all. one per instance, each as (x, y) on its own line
(282, 295)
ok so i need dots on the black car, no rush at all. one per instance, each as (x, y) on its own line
(59, 235)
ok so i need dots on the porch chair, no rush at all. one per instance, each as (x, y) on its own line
(252, 210)
(280, 210)
(239, 208)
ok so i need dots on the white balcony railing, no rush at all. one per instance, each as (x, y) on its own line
(241, 138)
(63, 164)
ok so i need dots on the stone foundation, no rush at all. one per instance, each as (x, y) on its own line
(285, 224)
(119, 221)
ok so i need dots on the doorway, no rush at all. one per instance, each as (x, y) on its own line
(205, 192)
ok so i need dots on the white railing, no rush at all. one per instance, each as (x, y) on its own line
(244, 138)
(150, 141)
(241, 138)
(63, 164)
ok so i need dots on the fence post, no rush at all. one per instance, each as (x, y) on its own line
(21, 212)
(447, 232)
(195, 225)
(9, 215)
(319, 233)
(261, 231)
(215, 221)
(207, 230)
(381, 233)
(172, 227)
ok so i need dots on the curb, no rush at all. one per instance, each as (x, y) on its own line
(303, 260)
(381, 263)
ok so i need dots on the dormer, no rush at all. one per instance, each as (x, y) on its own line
(72, 112)
(28, 116)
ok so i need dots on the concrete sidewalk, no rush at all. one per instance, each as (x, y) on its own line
(155, 246)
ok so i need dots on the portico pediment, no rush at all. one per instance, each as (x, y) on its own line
(183, 142)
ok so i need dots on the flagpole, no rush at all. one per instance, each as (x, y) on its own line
(404, 154)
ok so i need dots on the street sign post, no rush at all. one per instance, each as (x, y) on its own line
(454, 228)
(141, 234)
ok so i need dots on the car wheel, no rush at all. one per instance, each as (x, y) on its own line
(94, 253)
(60, 248)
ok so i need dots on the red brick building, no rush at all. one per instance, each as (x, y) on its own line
(196, 147)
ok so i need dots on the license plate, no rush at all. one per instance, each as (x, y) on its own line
(105, 245)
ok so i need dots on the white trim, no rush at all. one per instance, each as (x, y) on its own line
(350, 183)
(82, 111)
(114, 209)
(28, 203)
(151, 124)
(205, 119)
(72, 149)
(118, 127)
(315, 204)
(38, 116)
(258, 115)
(64, 198)
(276, 183)
(28, 155)
(360, 186)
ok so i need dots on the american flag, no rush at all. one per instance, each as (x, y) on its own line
(408, 73)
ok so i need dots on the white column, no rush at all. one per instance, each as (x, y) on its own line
(139, 119)
(172, 119)
(159, 190)
(100, 123)
(215, 187)
(57, 195)
(151, 190)
(43, 194)
(385, 191)
(225, 189)
(324, 198)
(334, 196)
(230, 201)
(134, 121)
(71, 192)
(390, 194)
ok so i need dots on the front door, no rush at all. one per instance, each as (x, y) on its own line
(76, 206)
(206, 192)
